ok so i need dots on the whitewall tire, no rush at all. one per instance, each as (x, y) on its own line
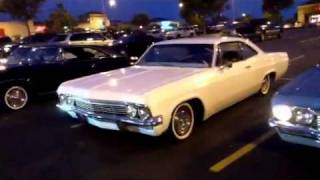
(182, 122)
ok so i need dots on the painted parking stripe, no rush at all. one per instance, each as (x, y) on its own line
(297, 58)
(76, 126)
(310, 39)
(221, 165)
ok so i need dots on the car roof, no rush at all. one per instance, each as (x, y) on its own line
(207, 39)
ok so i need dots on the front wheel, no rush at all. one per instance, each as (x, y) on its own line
(182, 121)
(266, 85)
(15, 97)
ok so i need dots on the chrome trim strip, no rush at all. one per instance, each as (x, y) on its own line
(154, 121)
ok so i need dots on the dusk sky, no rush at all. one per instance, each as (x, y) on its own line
(125, 9)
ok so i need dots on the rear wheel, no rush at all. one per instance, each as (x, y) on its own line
(15, 97)
(182, 122)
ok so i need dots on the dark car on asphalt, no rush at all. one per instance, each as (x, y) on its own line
(296, 110)
(259, 29)
(32, 70)
(135, 44)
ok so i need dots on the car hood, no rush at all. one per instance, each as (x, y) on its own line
(303, 91)
(125, 83)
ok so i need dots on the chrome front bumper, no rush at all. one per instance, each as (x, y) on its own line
(295, 133)
(114, 122)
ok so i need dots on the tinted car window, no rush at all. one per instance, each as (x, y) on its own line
(44, 55)
(247, 52)
(78, 53)
(33, 55)
(19, 55)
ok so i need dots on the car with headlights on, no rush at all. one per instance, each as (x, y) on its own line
(296, 110)
(174, 84)
(38, 69)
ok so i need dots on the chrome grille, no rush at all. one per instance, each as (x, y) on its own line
(101, 107)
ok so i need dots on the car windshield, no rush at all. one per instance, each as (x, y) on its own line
(180, 55)
(33, 55)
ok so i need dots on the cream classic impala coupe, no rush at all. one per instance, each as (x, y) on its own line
(174, 84)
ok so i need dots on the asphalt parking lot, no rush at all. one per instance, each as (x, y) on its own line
(40, 142)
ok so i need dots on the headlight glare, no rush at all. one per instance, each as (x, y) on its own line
(144, 113)
(304, 116)
(132, 111)
(282, 112)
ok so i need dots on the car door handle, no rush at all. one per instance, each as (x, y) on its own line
(248, 67)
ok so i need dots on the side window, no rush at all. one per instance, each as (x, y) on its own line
(229, 52)
(83, 54)
(44, 55)
(96, 53)
(247, 52)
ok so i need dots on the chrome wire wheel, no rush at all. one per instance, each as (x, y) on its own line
(266, 85)
(16, 98)
(182, 121)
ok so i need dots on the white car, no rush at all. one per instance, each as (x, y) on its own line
(180, 32)
(174, 84)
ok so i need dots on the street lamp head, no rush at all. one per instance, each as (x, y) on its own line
(244, 14)
(112, 3)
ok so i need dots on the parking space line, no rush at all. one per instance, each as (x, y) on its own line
(296, 58)
(76, 126)
(310, 39)
(221, 165)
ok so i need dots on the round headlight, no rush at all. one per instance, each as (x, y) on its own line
(69, 100)
(62, 99)
(282, 112)
(304, 116)
(132, 111)
(144, 113)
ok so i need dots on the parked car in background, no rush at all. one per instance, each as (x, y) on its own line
(33, 39)
(83, 38)
(175, 84)
(135, 44)
(5, 45)
(259, 29)
(31, 70)
(295, 107)
(180, 32)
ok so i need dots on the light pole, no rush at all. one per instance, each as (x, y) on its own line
(233, 10)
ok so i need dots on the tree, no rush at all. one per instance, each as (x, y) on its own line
(24, 10)
(197, 12)
(140, 20)
(272, 8)
(60, 19)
